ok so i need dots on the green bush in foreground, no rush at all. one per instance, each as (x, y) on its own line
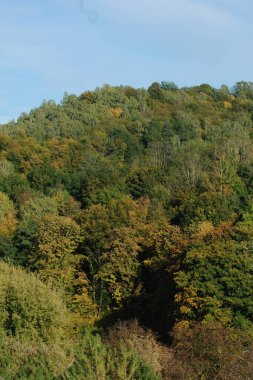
(33, 327)
(28, 308)
(95, 360)
(33, 360)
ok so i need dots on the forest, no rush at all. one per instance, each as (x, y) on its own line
(126, 236)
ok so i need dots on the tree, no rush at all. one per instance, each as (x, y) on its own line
(215, 283)
(155, 91)
(210, 351)
(7, 216)
(53, 253)
(243, 89)
(111, 236)
(169, 86)
(119, 264)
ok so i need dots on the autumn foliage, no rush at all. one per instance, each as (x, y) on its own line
(123, 205)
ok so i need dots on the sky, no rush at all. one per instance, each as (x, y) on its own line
(54, 46)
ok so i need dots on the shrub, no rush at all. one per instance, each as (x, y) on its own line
(34, 322)
(95, 360)
(28, 308)
(142, 341)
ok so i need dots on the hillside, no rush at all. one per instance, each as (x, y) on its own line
(130, 204)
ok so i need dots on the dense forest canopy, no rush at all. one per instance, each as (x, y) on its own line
(126, 204)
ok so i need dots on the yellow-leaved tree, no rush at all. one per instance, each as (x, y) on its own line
(7, 216)
(55, 258)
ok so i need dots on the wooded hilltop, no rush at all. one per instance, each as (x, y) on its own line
(126, 236)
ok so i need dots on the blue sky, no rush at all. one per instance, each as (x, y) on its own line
(52, 46)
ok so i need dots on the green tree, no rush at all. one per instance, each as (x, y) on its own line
(215, 283)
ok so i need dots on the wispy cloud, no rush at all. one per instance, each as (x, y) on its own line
(171, 11)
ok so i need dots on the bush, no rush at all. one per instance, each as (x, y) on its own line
(141, 341)
(31, 360)
(33, 327)
(95, 360)
(28, 308)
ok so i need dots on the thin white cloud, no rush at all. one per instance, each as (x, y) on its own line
(184, 12)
